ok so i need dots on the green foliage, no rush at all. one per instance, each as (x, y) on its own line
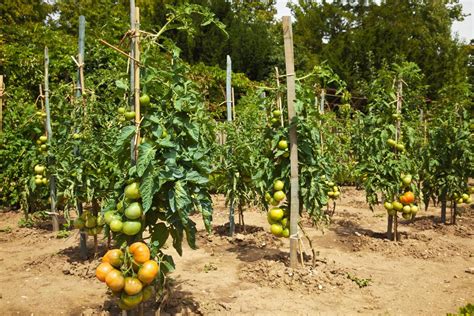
(378, 165)
(448, 154)
(467, 310)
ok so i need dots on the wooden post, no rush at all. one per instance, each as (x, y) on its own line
(54, 215)
(228, 94)
(79, 92)
(131, 97)
(397, 139)
(136, 86)
(294, 185)
(2, 88)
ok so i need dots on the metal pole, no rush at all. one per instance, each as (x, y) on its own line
(79, 92)
(54, 216)
(228, 93)
(291, 95)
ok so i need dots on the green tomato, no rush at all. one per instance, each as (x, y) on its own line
(134, 211)
(279, 196)
(285, 233)
(91, 221)
(132, 191)
(121, 110)
(109, 216)
(144, 100)
(131, 228)
(276, 113)
(276, 214)
(276, 230)
(116, 225)
(79, 223)
(282, 144)
(43, 138)
(129, 115)
(278, 185)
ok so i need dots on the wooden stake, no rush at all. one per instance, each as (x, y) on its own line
(54, 215)
(136, 35)
(131, 98)
(2, 88)
(397, 138)
(228, 92)
(291, 95)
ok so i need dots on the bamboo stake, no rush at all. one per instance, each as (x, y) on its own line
(131, 100)
(2, 88)
(49, 132)
(291, 95)
(397, 138)
(233, 104)
(118, 50)
(136, 88)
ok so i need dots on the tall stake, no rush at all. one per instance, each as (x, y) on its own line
(228, 94)
(136, 86)
(131, 100)
(79, 92)
(2, 88)
(54, 215)
(291, 95)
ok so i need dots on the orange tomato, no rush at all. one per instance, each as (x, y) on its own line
(135, 245)
(115, 280)
(409, 197)
(132, 286)
(102, 270)
(148, 271)
(140, 252)
(114, 257)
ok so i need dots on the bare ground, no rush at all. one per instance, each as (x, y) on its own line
(357, 271)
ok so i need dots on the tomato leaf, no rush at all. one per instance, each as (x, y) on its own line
(146, 153)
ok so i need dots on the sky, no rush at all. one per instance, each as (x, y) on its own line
(464, 29)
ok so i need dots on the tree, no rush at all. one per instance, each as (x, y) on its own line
(356, 39)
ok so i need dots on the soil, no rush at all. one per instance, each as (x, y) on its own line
(430, 271)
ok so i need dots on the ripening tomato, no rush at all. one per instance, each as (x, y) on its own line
(115, 280)
(131, 300)
(147, 293)
(148, 271)
(114, 257)
(407, 198)
(140, 252)
(102, 270)
(132, 286)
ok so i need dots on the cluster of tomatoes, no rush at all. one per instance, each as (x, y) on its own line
(406, 202)
(333, 189)
(40, 176)
(392, 143)
(276, 114)
(125, 115)
(129, 274)
(92, 224)
(277, 216)
(465, 197)
(41, 142)
(127, 218)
